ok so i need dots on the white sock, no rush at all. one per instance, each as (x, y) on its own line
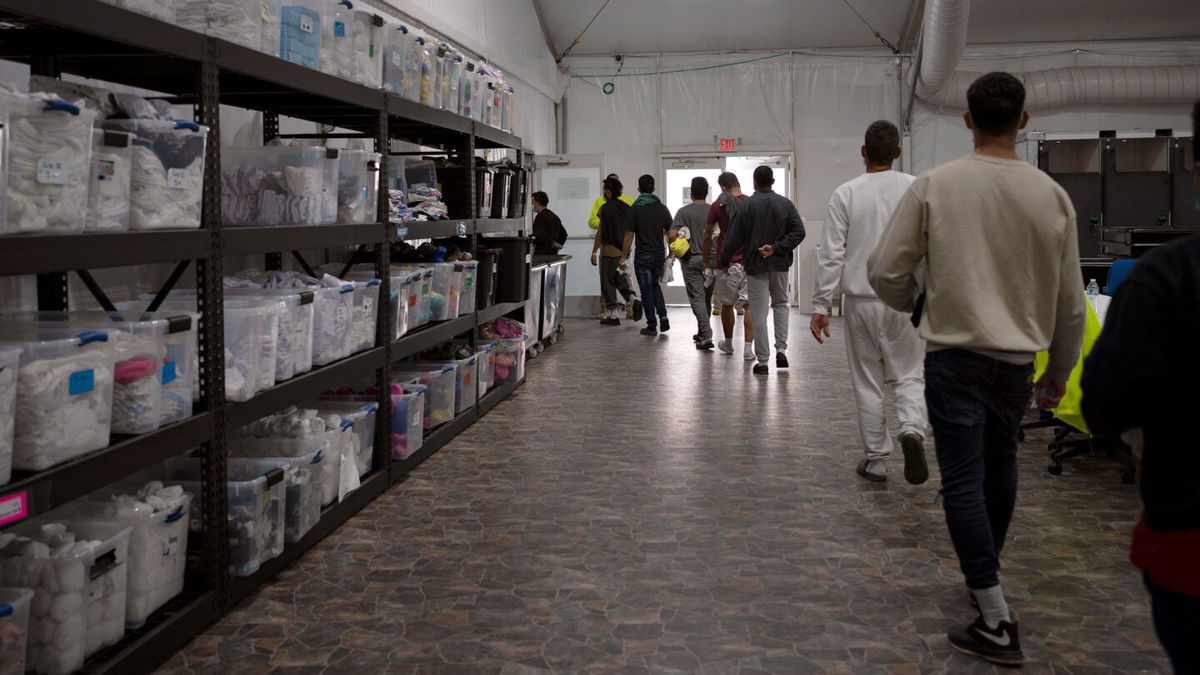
(992, 605)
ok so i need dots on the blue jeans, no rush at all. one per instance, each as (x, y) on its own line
(649, 275)
(975, 407)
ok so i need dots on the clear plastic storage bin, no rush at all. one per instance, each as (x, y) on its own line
(238, 21)
(108, 186)
(157, 547)
(274, 185)
(266, 341)
(14, 629)
(181, 365)
(64, 394)
(414, 57)
(466, 286)
(356, 416)
(510, 360)
(358, 186)
(300, 32)
(420, 296)
(466, 383)
(168, 173)
(506, 109)
(255, 512)
(452, 66)
(443, 293)
(79, 600)
(395, 44)
(302, 478)
(10, 361)
(440, 381)
(271, 25)
(163, 10)
(248, 332)
(294, 351)
(366, 315)
(487, 367)
(408, 421)
(337, 45)
(47, 145)
(366, 34)
(429, 71)
(398, 299)
(322, 443)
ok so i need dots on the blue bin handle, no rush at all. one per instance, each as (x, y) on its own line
(318, 457)
(371, 407)
(347, 424)
(373, 282)
(6, 610)
(61, 105)
(174, 515)
(184, 124)
(92, 336)
(348, 4)
(347, 288)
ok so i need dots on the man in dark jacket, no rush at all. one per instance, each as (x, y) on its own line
(647, 224)
(606, 251)
(1142, 374)
(767, 228)
(549, 235)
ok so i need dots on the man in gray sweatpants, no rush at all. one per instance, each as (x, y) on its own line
(766, 229)
(689, 223)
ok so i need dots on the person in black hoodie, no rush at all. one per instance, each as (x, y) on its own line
(606, 251)
(1142, 374)
(766, 229)
(548, 232)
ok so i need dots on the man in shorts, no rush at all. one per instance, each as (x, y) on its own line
(729, 287)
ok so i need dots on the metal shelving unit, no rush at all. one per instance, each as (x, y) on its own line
(94, 39)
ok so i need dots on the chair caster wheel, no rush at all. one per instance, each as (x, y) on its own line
(1055, 469)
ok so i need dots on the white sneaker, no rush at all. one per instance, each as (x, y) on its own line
(725, 347)
(748, 352)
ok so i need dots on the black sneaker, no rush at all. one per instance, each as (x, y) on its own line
(610, 321)
(781, 360)
(916, 471)
(696, 337)
(1001, 645)
(648, 331)
(637, 309)
(704, 344)
(761, 369)
(663, 324)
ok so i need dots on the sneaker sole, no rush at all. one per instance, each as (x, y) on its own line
(916, 469)
(1015, 661)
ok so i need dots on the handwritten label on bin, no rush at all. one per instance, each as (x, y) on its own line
(177, 179)
(81, 382)
(14, 507)
(52, 172)
(106, 169)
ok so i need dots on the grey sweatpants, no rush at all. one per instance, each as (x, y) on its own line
(698, 296)
(768, 290)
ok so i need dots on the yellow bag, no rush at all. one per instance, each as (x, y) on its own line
(1070, 409)
(679, 247)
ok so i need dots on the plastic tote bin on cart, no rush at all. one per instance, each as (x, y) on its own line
(14, 629)
(109, 182)
(358, 417)
(510, 360)
(168, 173)
(274, 185)
(440, 383)
(466, 372)
(47, 151)
(533, 305)
(10, 360)
(358, 185)
(64, 394)
(157, 548)
(78, 605)
(294, 353)
(302, 478)
(255, 507)
(466, 286)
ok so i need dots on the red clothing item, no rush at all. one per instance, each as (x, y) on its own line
(717, 215)
(1170, 559)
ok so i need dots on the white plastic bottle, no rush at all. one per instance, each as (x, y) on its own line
(1093, 289)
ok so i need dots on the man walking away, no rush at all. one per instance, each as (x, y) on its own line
(548, 232)
(729, 284)
(689, 220)
(594, 218)
(766, 230)
(882, 345)
(647, 224)
(1001, 282)
(1141, 374)
(608, 248)
(635, 305)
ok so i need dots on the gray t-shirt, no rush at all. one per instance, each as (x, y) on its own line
(693, 217)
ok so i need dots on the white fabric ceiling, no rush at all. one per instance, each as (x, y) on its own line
(653, 26)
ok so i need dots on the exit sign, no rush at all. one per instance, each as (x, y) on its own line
(727, 144)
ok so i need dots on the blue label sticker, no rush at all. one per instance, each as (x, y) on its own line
(339, 28)
(81, 382)
(168, 372)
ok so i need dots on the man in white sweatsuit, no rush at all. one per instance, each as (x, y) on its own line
(882, 344)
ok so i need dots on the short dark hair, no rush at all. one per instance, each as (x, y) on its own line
(882, 140)
(541, 198)
(612, 175)
(699, 188)
(764, 177)
(614, 186)
(996, 101)
(728, 180)
(646, 183)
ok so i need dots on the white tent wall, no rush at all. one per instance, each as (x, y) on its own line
(815, 105)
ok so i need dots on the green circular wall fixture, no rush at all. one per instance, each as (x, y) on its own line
(609, 88)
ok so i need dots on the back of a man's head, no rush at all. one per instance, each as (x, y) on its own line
(728, 180)
(612, 175)
(614, 186)
(764, 178)
(699, 189)
(541, 198)
(881, 143)
(996, 101)
(646, 184)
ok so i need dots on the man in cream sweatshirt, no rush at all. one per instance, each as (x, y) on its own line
(983, 250)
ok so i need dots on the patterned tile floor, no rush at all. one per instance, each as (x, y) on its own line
(642, 507)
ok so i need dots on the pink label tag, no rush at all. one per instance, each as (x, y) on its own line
(14, 507)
